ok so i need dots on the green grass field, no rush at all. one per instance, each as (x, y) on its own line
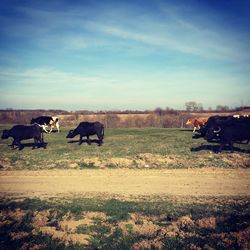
(150, 147)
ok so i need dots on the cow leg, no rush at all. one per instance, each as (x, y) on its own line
(35, 143)
(88, 140)
(80, 140)
(58, 127)
(100, 137)
(42, 141)
(231, 146)
(51, 128)
(13, 144)
(20, 146)
(194, 129)
(44, 128)
(39, 142)
(221, 147)
(42, 144)
(17, 143)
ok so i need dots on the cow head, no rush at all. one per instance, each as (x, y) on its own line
(5, 134)
(71, 134)
(212, 133)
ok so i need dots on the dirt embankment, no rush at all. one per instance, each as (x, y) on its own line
(127, 182)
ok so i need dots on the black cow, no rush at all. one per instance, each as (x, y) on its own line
(221, 121)
(213, 121)
(228, 133)
(44, 121)
(24, 132)
(87, 129)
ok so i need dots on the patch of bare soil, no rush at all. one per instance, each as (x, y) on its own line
(205, 182)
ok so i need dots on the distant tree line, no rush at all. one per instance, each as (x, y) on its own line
(190, 106)
(193, 106)
(161, 118)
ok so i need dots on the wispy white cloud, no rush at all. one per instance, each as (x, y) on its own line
(48, 78)
(173, 31)
(182, 37)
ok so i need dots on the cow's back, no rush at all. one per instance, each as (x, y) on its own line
(25, 131)
(42, 120)
(89, 128)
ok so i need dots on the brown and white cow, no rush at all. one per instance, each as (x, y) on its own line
(197, 122)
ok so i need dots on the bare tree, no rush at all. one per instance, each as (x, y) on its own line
(160, 113)
(222, 108)
(193, 106)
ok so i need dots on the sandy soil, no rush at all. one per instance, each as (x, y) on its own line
(126, 182)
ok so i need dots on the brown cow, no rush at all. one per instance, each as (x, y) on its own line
(197, 122)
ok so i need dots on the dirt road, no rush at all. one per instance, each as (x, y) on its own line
(126, 182)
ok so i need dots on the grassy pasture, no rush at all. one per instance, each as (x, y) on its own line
(150, 147)
(108, 223)
(84, 223)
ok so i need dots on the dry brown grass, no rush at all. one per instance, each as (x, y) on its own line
(113, 120)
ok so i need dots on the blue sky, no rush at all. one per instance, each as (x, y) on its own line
(117, 55)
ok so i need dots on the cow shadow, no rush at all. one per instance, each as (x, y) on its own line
(197, 136)
(186, 130)
(85, 141)
(29, 145)
(215, 149)
(53, 131)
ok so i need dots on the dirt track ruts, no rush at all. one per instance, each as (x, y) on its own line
(124, 182)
